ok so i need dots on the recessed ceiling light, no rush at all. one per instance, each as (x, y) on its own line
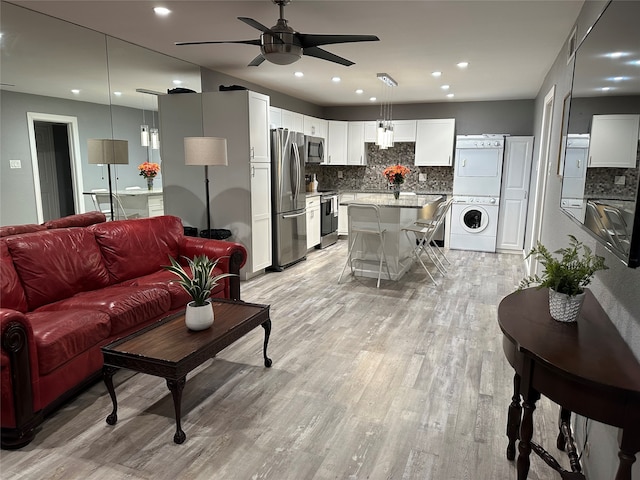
(463, 64)
(75, 91)
(162, 11)
(605, 89)
(615, 54)
(436, 74)
(450, 95)
(359, 91)
(635, 62)
(336, 79)
(372, 99)
(117, 94)
(445, 87)
(299, 74)
(177, 82)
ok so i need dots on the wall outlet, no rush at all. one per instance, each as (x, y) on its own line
(422, 177)
(340, 174)
(15, 164)
(620, 180)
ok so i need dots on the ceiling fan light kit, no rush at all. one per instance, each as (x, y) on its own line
(282, 45)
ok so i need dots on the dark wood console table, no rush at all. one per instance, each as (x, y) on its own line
(585, 367)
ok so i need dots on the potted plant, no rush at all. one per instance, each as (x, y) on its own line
(566, 277)
(199, 313)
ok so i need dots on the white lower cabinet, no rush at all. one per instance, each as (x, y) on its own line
(155, 205)
(313, 221)
(261, 215)
(343, 217)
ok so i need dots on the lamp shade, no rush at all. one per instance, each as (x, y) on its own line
(108, 151)
(205, 151)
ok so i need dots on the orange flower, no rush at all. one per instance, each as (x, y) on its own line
(148, 169)
(396, 173)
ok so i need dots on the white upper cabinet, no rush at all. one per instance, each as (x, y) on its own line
(614, 141)
(370, 131)
(293, 121)
(275, 117)
(259, 127)
(355, 145)
(404, 130)
(336, 143)
(435, 141)
(315, 127)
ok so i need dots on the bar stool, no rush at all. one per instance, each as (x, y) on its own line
(435, 222)
(420, 237)
(366, 224)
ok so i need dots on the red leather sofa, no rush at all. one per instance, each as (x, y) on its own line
(68, 291)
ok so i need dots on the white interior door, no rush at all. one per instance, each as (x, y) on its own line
(514, 196)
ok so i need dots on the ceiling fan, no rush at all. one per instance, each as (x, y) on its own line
(282, 45)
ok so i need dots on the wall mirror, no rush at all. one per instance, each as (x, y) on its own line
(43, 60)
(602, 154)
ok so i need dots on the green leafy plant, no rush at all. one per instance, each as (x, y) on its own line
(201, 281)
(568, 274)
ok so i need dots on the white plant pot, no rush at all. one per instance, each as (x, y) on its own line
(199, 318)
(563, 307)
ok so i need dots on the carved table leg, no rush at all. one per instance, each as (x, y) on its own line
(267, 331)
(513, 418)
(526, 433)
(107, 375)
(565, 417)
(629, 446)
(176, 387)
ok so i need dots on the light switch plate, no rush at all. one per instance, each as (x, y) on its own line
(15, 164)
(422, 177)
(340, 175)
(619, 180)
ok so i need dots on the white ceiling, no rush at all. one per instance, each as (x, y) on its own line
(510, 44)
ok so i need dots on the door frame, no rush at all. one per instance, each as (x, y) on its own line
(74, 155)
(544, 169)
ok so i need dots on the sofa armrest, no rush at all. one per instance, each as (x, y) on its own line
(19, 383)
(232, 257)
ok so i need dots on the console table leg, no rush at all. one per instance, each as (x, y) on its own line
(513, 418)
(267, 331)
(176, 387)
(107, 376)
(629, 447)
(526, 434)
(565, 417)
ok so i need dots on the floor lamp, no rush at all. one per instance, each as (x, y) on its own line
(109, 152)
(205, 151)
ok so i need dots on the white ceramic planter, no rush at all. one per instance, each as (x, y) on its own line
(563, 307)
(199, 318)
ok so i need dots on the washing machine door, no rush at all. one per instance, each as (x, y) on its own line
(474, 219)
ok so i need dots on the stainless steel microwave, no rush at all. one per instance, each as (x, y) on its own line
(313, 149)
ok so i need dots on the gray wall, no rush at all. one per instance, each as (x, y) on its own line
(17, 189)
(617, 289)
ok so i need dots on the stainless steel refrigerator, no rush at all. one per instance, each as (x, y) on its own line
(289, 198)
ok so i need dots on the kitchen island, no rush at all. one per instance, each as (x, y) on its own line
(394, 215)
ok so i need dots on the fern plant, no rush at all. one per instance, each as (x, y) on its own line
(570, 273)
(201, 281)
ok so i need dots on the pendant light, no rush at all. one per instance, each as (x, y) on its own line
(384, 137)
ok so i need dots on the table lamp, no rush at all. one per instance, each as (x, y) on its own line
(205, 151)
(109, 152)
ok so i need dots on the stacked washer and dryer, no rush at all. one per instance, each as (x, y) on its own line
(476, 192)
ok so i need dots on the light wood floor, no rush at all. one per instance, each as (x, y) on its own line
(405, 382)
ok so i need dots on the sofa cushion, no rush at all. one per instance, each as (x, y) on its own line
(77, 220)
(61, 336)
(12, 292)
(168, 281)
(56, 264)
(126, 306)
(133, 248)
(8, 230)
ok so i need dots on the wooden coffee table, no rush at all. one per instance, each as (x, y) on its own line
(169, 350)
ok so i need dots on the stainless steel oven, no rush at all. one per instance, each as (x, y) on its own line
(328, 219)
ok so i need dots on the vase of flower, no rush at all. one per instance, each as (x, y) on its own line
(149, 170)
(395, 176)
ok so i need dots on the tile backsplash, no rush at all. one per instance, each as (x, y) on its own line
(600, 182)
(369, 177)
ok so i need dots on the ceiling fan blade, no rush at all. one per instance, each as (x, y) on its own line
(255, 24)
(246, 42)
(311, 40)
(324, 55)
(256, 61)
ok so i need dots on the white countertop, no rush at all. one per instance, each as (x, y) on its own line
(405, 201)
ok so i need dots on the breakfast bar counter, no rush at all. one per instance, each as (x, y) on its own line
(394, 215)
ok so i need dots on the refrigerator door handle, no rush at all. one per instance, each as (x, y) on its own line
(293, 215)
(296, 154)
